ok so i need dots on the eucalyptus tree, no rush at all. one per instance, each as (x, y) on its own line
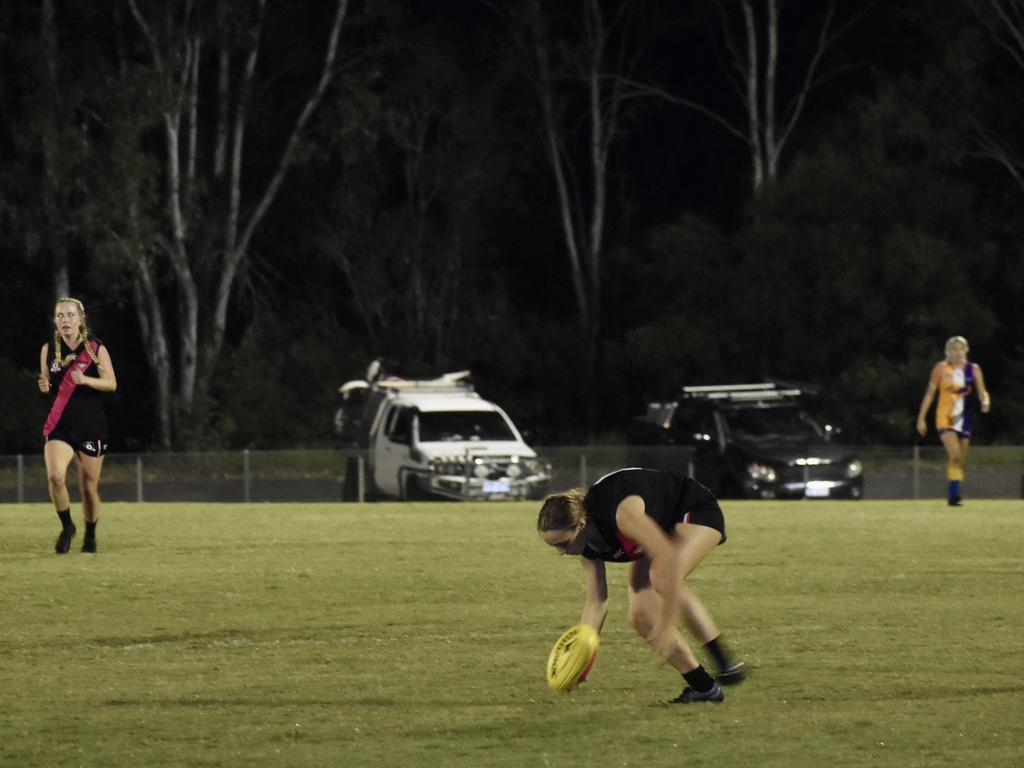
(417, 136)
(50, 119)
(197, 69)
(1004, 22)
(772, 63)
(577, 60)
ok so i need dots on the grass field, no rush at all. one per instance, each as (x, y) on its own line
(879, 634)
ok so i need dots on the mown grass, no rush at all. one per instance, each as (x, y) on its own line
(879, 634)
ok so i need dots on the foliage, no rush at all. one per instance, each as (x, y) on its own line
(304, 367)
(24, 407)
(419, 222)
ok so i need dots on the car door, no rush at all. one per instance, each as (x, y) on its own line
(391, 450)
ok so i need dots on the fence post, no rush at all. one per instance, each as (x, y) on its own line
(583, 470)
(138, 479)
(916, 471)
(245, 476)
(361, 479)
(21, 479)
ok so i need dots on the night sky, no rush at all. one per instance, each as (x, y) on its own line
(418, 215)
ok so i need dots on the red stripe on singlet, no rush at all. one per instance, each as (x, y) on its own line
(65, 390)
(631, 548)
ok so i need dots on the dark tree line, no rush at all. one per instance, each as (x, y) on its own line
(587, 203)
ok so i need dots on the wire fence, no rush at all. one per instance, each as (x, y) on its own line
(329, 475)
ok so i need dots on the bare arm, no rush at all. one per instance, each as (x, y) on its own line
(926, 402)
(596, 609)
(666, 569)
(979, 380)
(106, 381)
(44, 370)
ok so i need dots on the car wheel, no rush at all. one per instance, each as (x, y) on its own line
(413, 490)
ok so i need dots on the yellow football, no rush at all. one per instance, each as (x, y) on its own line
(572, 657)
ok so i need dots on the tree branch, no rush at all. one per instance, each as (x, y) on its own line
(641, 90)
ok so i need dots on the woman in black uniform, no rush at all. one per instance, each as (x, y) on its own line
(664, 524)
(75, 370)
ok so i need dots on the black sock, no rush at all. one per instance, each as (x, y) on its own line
(699, 679)
(90, 530)
(717, 651)
(65, 519)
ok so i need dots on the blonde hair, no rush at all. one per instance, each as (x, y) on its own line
(953, 340)
(562, 511)
(82, 331)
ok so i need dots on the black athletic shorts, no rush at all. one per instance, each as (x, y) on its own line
(698, 506)
(94, 447)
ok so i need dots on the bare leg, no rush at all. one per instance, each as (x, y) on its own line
(955, 468)
(644, 610)
(57, 456)
(952, 443)
(696, 541)
(89, 469)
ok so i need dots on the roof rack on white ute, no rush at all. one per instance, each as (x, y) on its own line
(446, 382)
(764, 391)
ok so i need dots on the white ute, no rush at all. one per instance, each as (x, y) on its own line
(438, 438)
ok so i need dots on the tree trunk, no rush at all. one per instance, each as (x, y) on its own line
(150, 319)
(177, 70)
(54, 243)
(236, 237)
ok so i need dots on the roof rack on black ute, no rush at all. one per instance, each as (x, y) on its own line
(767, 390)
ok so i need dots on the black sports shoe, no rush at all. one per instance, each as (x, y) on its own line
(733, 674)
(89, 545)
(64, 540)
(692, 696)
(956, 501)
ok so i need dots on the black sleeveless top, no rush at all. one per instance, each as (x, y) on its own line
(83, 417)
(665, 496)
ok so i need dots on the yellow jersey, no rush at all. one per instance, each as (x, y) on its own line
(955, 385)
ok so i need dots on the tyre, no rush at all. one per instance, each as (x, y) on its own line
(413, 490)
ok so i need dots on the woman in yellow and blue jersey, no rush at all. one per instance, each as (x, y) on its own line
(955, 380)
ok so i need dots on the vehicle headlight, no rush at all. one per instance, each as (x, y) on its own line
(448, 465)
(761, 472)
(854, 468)
(514, 470)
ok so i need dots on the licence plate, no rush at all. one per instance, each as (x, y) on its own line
(816, 489)
(497, 486)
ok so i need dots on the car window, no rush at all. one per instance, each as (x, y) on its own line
(771, 423)
(690, 421)
(401, 427)
(447, 426)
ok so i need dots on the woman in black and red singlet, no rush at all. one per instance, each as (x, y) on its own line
(664, 525)
(75, 370)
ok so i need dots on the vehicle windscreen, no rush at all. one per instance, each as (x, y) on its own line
(448, 426)
(771, 424)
